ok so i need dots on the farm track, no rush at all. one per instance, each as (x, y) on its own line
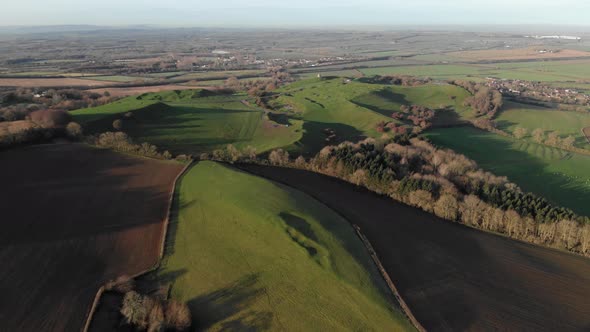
(74, 218)
(453, 277)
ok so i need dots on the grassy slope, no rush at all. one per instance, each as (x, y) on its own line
(530, 117)
(249, 253)
(354, 109)
(190, 122)
(558, 175)
(389, 99)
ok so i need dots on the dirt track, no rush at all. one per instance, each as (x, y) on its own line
(455, 278)
(74, 217)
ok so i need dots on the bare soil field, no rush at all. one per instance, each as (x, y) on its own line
(123, 92)
(520, 54)
(50, 82)
(452, 277)
(74, 217)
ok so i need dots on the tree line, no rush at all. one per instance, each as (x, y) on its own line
(441, 182)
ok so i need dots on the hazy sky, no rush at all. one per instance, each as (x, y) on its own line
(294, 12)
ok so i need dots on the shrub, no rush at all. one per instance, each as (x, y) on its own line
(279, 157)
(74, 130)
(446, 207)
(520, 132)
(177, 315)
(156, 318)
(118, 124)
(134, 309)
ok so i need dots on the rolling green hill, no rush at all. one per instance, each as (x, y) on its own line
(354, 108)
(249, 254)
(191, 121)
(195, 121)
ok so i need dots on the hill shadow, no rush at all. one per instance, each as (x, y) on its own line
(316, 138)
(388, 95)
(234, 303)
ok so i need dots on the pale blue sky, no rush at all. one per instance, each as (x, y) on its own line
(294, 12)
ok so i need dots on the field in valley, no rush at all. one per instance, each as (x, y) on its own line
(74, 217)
(515, 115)
(452, 277)
(558, 175)
(249, 254)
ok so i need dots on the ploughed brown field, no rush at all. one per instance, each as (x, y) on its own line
(452, 277)
(50, 82)
(74, 217)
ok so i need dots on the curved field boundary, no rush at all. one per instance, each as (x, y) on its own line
(396, 294)
(162, 248)
(388, 280)
(454, 277)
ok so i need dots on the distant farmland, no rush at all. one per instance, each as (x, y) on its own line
(50, 82)
(454, 278)
(74, 217)
(129, 91)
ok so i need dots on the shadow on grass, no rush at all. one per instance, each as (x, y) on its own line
(233, 303)
(300, 224)
(529, 171)
(314, 136)
(386, 95)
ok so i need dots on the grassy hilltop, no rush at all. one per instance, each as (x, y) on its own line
(247, 252)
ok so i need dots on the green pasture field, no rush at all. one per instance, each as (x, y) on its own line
(547, 71)
(192, 122)
(560, 176)
(248, 254)
(515, 115)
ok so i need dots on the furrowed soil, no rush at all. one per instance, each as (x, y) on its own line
(74, 217)
(452, 277)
